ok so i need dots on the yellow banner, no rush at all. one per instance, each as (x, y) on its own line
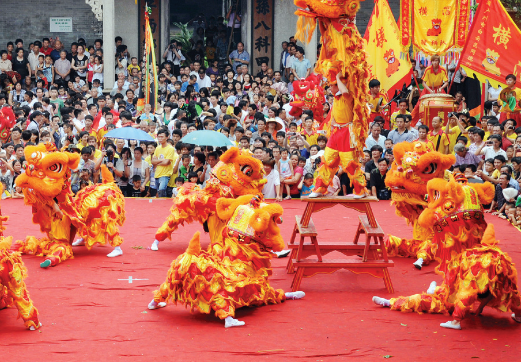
(386, 61)
(434, 25)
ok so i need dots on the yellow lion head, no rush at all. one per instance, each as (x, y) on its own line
(492, 57)
(241, 172)
(331, 8)
(47, 173)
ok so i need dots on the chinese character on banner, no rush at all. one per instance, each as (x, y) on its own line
(380, 38)
(263, 24)
(423, 11)
(502, 35)
(263, 7)
(262, 34)
(262, 42)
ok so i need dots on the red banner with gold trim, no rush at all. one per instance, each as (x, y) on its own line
(493, 47)
(405, 23)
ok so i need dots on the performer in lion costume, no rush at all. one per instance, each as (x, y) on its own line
(237, 173)
(412, 168)
(473, 267)
(308, 94)
(343, 62)
(233, 272)
(94, 213)
(13, 291)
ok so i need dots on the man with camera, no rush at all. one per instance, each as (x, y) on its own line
(113, 163)
(174, 56)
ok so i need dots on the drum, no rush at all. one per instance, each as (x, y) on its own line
(436, 105)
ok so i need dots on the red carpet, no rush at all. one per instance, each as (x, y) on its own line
(89, 314)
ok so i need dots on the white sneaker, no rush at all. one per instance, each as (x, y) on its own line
(282, 254)
(432, 288)
(295, 295)
(153, 305)
(232, 322)
(114, 253)
(418, 264)
(79, 242)
(449, 325)
(314, 195)
(381, 301)
(31, 328)
(154, 246)
(517, 319)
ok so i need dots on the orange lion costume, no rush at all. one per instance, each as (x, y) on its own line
(233, 272)
(473, 267)
(414, 165)
(237, 173)
(12, 286)
(342, 60)
(94, 213)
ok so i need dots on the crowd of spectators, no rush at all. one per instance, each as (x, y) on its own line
(60, 95)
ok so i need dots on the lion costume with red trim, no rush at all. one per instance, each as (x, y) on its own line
(94, 213)
(342, 54)
(412, 168)
(473, 267)
(237, 173)
(13, 291)
(233, 272)
(308, 94)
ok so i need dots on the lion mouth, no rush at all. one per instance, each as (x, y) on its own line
(436, 27)
(391, 61)
(491, 61)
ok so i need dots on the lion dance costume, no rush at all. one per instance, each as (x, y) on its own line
(233, 272)
(473, 267)
(412, 168)
(94, 213)
(308, 94)
(237, 173)
(343, 54)
(12, 286)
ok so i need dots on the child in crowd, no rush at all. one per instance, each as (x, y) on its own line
(515, 216)
(179, 181)
(271, 189)
(192, 177)
(286, 170)
(306, 185)
(136, 187)
(185, 165)
(388, 144)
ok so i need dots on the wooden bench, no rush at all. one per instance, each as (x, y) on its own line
(376, 268)
(374, 234)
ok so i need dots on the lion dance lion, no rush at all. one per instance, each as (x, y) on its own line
(13, 291)
(473, 267)
(233, 272)
(95, 213)
(237, 173)
(343, 62)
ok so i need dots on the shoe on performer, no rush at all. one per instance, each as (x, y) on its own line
(32, 328)
(232, 322)
(516, 318)
(381, 301)
(282, 254)
(79, 242)
(45, 264)
(314, 195)
(432, 288)
(450, 325)
(418, 264)
(116, 252)
(155, 245)
(295, 295)
(154, 305)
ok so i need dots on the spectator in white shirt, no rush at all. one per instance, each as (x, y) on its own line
(375, 138)
(271, 189)
(491, 148)
(203, 80)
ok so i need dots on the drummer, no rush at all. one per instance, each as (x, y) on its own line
(376, 101)
(435, 78)
(506, 98)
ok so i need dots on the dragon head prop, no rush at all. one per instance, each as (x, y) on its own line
(412, 168)
(308, 94)
(239, 171)
(249, 217)
(345, 10)
(47, 173)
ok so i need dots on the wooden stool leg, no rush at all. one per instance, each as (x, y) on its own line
(387, 281)
(295, 285)
(293, 234)
(317, 248)
(300, 246)
(382, 247)
(357, 235)
(366, 248)
(289, 267)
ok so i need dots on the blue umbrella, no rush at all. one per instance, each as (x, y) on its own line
(207, 138)
(129, 133)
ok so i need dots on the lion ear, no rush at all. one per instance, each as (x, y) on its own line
(455, 191)
(231, 154)
(74, 160)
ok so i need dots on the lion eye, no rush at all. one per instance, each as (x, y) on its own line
(247, 170)
(57, 167)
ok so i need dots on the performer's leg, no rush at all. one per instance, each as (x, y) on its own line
(56, 253)
(353, 170)
(326, 172)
